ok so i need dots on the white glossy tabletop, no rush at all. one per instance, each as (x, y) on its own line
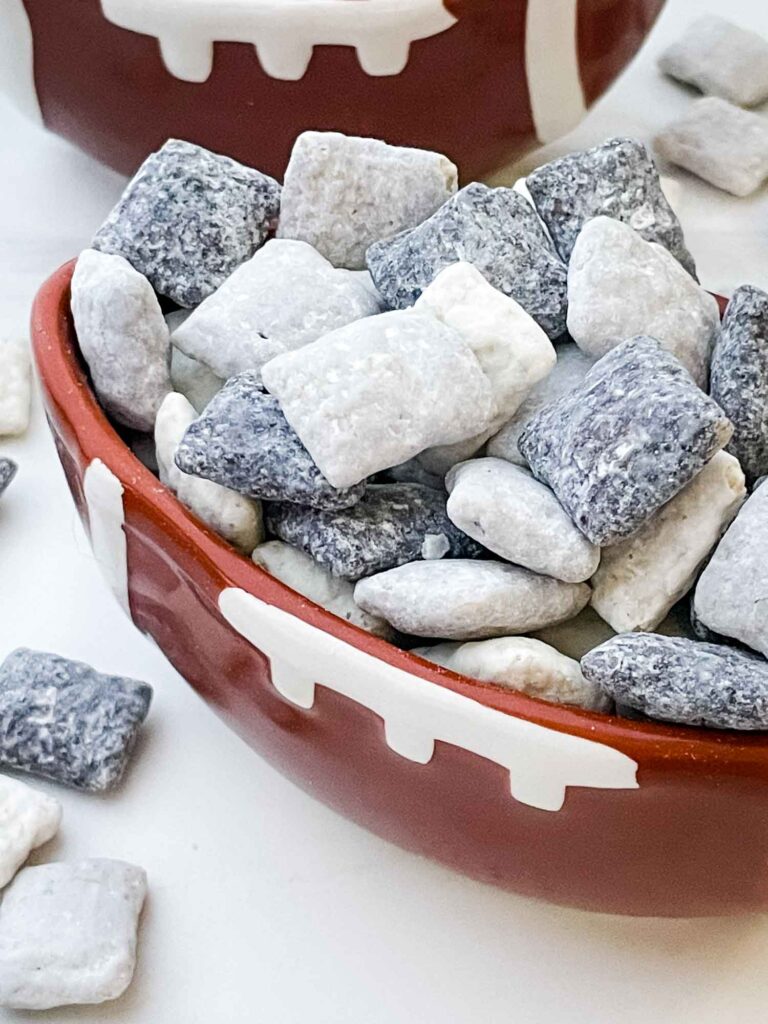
(265, 907)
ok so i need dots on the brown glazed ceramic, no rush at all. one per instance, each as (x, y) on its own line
(480, 80)
(565, 805)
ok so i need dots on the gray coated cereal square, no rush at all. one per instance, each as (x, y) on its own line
(617, 179)
(243, 441)
(391, 525)
(674, 679)
(739, 380)
(8, 469)
(189, 218)
(494, 229)
(625, 441)
(64, 721)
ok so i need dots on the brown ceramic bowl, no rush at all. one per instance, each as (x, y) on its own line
(482, 80)
(570, 806)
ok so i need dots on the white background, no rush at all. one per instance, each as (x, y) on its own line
(265, 907)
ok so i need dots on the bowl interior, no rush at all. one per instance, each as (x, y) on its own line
(79, 423)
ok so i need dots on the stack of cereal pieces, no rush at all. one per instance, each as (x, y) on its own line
(68, 930)
(455, 417)
(717, 138)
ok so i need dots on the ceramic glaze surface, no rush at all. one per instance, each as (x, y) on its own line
(479, 81)
(284, 32)
(461, 771)
(417, 714)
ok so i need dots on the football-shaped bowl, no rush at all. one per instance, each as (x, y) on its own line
(566, 805)
(481, 80)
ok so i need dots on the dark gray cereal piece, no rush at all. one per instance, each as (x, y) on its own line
(243, 441)
(739, 378)
(391, 525)
(624, 442)
(674, 679)
(617, 179)
(8, 470)
(189, 218)
(65, 721)
(497, 231)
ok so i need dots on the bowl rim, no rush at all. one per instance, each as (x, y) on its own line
(68, 391)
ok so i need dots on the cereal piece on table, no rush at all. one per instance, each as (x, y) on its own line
(306, 576)
(495, 230)
(64, 721)
(620, 286)
(234, 517)
(462, 599)
(286, 296)
(122, 336)
(15, 387)
(518, 518)
(624, 441)
(512, 349)
(194, 380)
(569, 370)
(342, 193)
(377, 392)
(8, 469)
(390, 525)
(243, 441)
(28, 819)
(723, 144)
(674, 679)
(68, 933)
(520, 663)
(617, 179)
(720, 59)
(641, 578)
(188, 218)
(739, 380)
(730, 596)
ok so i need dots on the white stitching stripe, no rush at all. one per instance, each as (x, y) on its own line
(284, 32)
(541, 762)
(106, 517)
(552, 67)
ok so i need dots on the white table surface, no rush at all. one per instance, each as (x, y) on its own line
(266, 907)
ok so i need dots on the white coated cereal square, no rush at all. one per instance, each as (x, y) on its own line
(620, 286)
(233, 516)
(123, 337)
(28, 818)
(375, 393)
(720, 59)
(68, 933)
(285, 296)
(514, 352)
(342, 193)
(721, 143)
(15, 387)
(467, 599)
(641, 578)
(301, 572)
(508, 511)
(520, 663)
